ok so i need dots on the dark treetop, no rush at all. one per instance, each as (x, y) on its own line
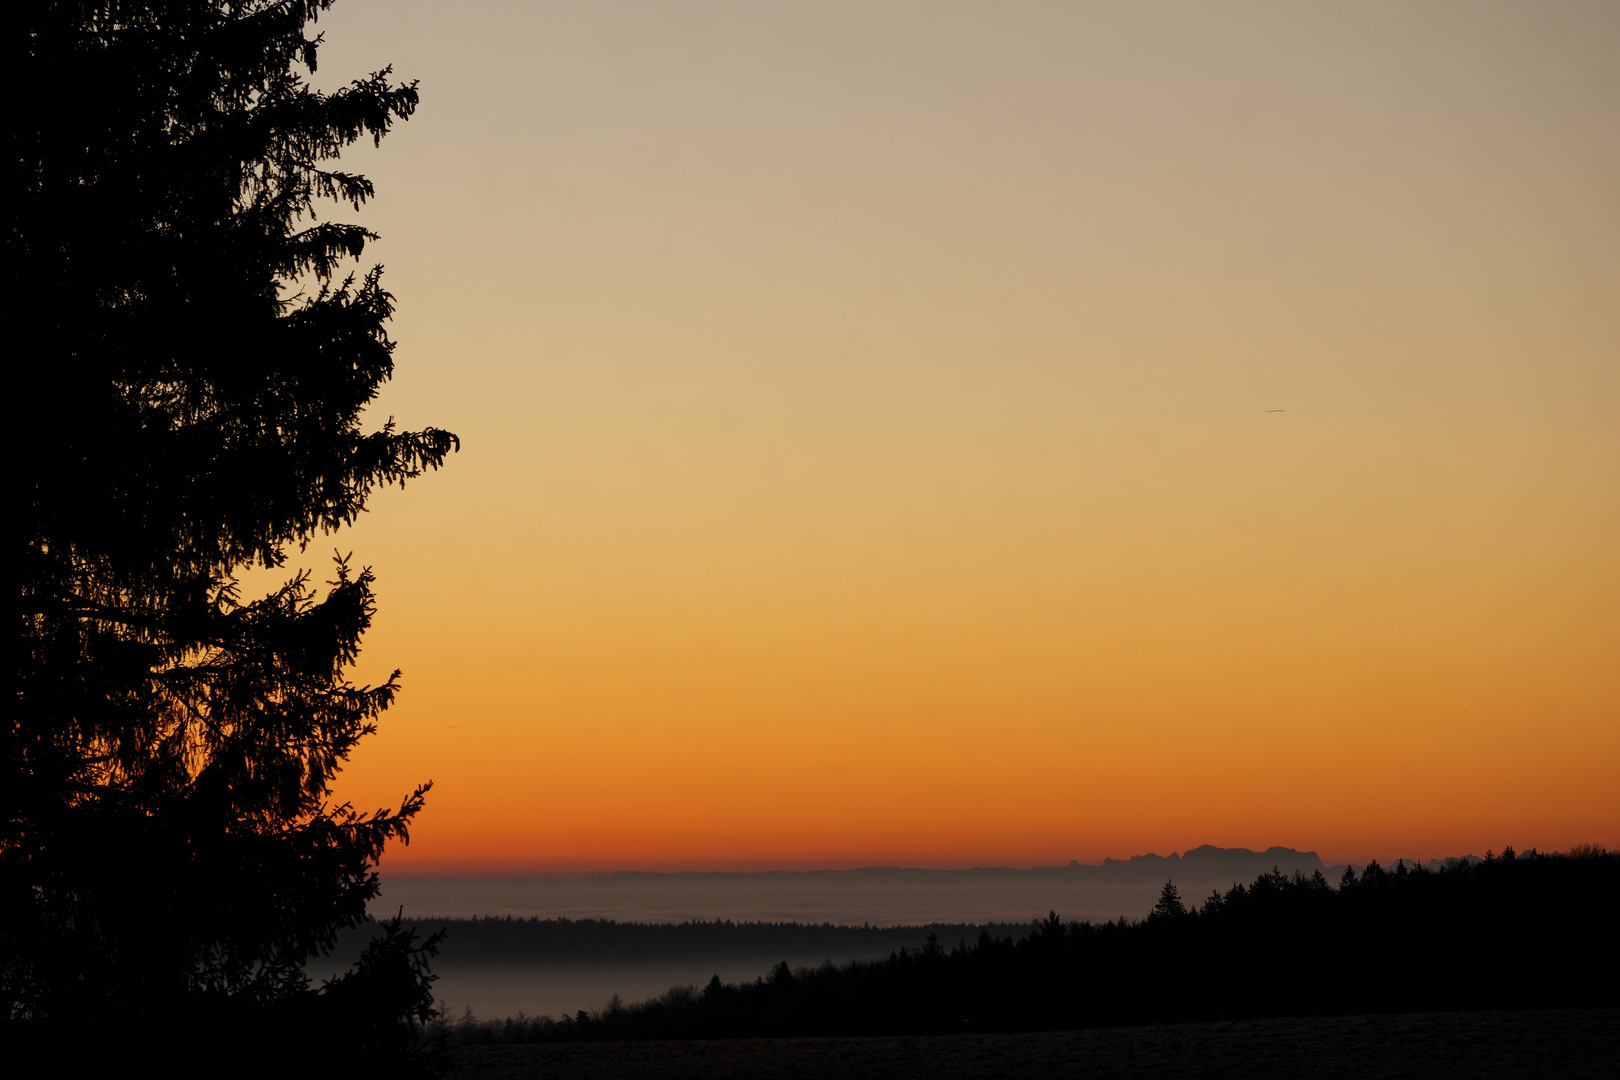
(190, 372)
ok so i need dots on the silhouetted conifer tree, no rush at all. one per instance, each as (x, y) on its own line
(1170, 905)
(189, 375)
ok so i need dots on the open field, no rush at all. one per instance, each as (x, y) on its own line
(1564, 1043)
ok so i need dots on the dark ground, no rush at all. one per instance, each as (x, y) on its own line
(1563, 1043)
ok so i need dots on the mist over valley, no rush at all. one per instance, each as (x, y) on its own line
(553, 945)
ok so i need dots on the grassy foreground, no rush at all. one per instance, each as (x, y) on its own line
(1565, 1043)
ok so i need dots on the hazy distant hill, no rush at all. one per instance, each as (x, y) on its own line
(881, 896)
(596, 941)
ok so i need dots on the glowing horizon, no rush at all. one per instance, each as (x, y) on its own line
(943, 435)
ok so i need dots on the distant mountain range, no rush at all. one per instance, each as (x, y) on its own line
(1209, 857)
(1200, 862)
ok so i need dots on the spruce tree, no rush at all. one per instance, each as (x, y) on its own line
(1170, 905)
(190, 366)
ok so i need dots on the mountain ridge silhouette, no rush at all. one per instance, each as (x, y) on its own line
(1204, 857)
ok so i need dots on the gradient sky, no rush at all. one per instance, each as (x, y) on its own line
(939, 434)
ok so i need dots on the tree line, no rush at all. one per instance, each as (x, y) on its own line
(534, 940)
(1516, 930)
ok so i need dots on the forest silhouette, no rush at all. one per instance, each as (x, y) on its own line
(1513, 931)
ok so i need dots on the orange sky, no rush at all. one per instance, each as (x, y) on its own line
(869, 446)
